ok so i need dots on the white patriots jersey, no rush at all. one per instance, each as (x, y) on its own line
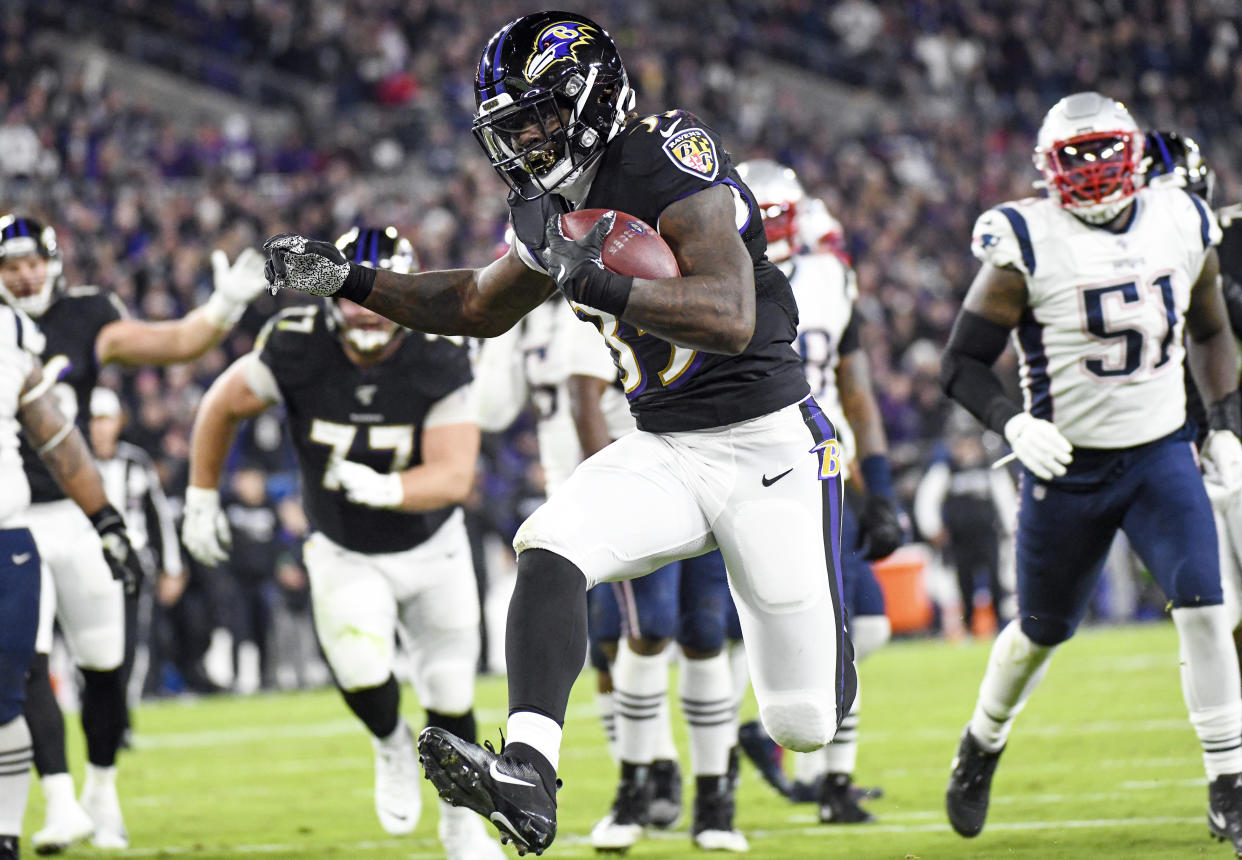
(825, 289)
(1100, 342)
(20, 344)
(534, 361)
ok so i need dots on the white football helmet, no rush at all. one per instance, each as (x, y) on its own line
(21, 237)
(1088, 150)
(778, 194)
(378, 248)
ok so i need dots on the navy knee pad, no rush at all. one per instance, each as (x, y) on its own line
(702, 630)
(1047, 631)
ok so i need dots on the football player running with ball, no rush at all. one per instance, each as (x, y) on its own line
(384, 427)
(1099, 279)
(731, 450)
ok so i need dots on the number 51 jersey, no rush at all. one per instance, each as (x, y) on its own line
(338, 410)
(1100, 342)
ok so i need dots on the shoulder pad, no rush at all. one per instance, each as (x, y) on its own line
(675, 140)
(1002, 238)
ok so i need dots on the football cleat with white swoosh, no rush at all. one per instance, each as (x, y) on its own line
(505, 790)
(1225, 809)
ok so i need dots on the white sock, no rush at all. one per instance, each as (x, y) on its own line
(16, 757)
(608, 720)
(1015, 668)
(869, 633)
(707, 700)
(665, 749)
(58, 792)
(640, 690)
(99, 777)
(740, 670)
(809, 767)
(536, 731)
(1210, 685)
(841, 754)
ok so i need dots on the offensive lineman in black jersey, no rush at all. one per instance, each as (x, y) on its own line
(731, 450)
(384, 426)
(85, 329)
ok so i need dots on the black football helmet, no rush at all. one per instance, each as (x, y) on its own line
(550, 93)
(379, 248)
(20, 237)
(1176, 155)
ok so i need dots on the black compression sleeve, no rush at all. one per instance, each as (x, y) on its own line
(966, 372)
(850, 339)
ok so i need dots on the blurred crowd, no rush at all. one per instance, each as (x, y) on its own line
(380, 98)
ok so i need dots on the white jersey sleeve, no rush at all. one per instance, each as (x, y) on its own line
(1000, 239)
(20, 343)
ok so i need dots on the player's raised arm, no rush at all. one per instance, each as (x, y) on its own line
(477, 302)
(140, 342)
(711, 307)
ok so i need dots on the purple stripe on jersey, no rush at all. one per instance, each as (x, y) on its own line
(1031, 337)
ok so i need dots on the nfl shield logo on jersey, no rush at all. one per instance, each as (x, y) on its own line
(365, 394)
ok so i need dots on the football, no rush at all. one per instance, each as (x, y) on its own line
(632, 247)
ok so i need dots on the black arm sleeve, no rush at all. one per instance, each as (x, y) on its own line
(966, 373)
(850, 339)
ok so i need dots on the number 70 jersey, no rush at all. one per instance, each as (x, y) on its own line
(1100, 342)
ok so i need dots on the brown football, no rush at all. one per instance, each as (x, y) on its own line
(632, 247)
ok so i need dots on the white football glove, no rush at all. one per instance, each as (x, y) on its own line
(1222, 460)
(1038, 445)
(205, 530)
(235, 286)
(365, 486)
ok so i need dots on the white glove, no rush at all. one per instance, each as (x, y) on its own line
(205, 530)
(1038, 445)
(235, 286)
(1222, 460)
(365, 486)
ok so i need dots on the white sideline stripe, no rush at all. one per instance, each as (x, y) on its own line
(572, 841)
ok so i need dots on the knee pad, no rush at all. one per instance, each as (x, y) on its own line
(448, 687)
(800, 721)
(869, 633)
(702, 631)
(1047, 631)
(359, 659)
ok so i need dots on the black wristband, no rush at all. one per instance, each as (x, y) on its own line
(1226, 414)
(358, 283)
(106, 519)
(604, 290)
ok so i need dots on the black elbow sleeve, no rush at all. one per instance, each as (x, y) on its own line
(966, 373)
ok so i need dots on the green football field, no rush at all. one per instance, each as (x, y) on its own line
(1102, 764)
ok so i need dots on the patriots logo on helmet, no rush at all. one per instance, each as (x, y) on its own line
(556, 42)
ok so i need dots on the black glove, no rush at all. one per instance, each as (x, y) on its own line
(118, 551)
(578, 266)
(311, 266)
(880, 529)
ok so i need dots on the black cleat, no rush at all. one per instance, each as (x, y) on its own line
(714, 806)
(765, 754)
(625, 824)
(970, 785)
(665, 808)
(505, 790)
(9, 849)
(1225, 809)
(837, 802)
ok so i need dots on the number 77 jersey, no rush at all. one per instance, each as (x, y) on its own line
(1100, 342)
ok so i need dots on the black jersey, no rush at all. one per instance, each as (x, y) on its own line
(652, 163)
(372, 415)
(1230, 251)
(70, 369)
